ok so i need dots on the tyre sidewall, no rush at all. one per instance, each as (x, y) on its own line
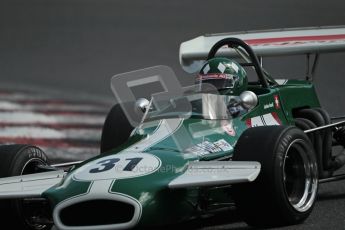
(280, 154)
(13, 160)
(264, 202)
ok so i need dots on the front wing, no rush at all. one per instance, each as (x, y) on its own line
(216, 173)
(29, 186)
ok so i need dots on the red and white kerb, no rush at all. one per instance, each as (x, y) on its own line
(65, 129)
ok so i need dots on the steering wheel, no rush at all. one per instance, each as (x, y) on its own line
(235, 43)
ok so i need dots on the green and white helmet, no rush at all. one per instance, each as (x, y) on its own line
(224, 73)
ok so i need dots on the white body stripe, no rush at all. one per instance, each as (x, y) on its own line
(97, 192)
(165, 129)
(100, 188)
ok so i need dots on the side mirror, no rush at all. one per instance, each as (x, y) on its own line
(248, 100)
(141, 105)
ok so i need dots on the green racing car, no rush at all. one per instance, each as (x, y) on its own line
(261, 146)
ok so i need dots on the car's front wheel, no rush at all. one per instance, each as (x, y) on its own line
(117, 127)
(284, 192)
(26, 214)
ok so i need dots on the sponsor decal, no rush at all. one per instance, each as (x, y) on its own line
(276, 102)
(269, 105)
(211, 76)
(207, 147)
(297, 40)
(228, 128)
(224, 145)
(266, 119)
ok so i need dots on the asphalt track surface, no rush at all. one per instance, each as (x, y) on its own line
(75, 46)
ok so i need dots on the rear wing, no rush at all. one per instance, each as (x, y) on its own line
(283, 42)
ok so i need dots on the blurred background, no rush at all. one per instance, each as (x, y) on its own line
(77, 45)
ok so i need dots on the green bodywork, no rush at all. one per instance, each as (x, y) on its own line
(161, 205)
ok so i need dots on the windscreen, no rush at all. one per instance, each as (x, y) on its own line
(161, 87)
(197, 105)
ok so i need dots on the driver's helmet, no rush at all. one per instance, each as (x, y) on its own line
(224, 74)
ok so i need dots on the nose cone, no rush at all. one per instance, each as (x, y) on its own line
(130, 187)
(117, 191)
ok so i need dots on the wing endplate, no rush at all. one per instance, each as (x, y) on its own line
(29, 186)
(215, 173)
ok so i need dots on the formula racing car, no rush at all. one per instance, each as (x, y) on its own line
(261, 145)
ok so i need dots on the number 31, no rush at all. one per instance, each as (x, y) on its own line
(108, 164)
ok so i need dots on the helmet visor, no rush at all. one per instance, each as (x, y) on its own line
(219, 80)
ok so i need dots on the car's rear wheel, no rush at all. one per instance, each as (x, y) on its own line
(284, 192)
(18, 160)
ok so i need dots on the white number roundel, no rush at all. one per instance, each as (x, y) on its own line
(118, 166)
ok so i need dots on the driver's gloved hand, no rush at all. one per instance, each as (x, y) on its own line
(234, 110)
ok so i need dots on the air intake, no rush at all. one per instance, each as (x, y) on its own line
(97, 212)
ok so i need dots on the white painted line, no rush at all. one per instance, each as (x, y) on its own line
(13, 96)
(47, 133)
(7, 105)
(32, 117)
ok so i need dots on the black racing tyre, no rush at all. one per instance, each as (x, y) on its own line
(284, 193)
(117, 128)
(320, 118)
(305, 124)
(316, 140)
(18, 160)
(327, 143)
